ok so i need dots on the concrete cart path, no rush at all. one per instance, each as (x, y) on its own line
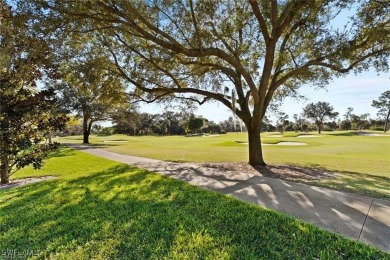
(361, 218)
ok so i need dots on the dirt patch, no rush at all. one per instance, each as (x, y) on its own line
(25, 181)
(284, 172)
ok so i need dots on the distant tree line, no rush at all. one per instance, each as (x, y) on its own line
(318, 116)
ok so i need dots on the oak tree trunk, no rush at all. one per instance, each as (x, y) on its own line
(254, 143)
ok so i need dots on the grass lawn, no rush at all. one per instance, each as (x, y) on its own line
(361, 163)
(99, 209)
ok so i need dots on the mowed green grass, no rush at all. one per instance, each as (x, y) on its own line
(335, 151)
(99, 209)
(361, 163)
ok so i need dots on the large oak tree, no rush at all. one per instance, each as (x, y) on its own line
(200, 50)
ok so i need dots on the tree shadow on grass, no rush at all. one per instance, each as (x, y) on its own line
(126, 212)
(61, 152)
(88, 146)
(293, 172)
(65, 150)
(359, 183)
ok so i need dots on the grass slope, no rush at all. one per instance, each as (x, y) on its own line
(100, 209)
(362, 163)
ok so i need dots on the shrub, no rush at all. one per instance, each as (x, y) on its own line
(377, 128)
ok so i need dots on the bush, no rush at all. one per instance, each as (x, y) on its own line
(193, 135)
(345, 125)
(377, 128)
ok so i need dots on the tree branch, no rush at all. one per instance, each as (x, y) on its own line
(196, 26)
(173, 45)
(175, 23)
(287, 15)
(261, 20)
(147, 100)
(319, 62)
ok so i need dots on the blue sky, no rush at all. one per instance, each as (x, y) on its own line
(356, 91)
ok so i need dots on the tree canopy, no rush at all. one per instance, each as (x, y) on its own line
(88, 88)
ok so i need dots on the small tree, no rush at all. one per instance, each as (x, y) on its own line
(127, 121)
(383, 104)
(195, 123)
(319, 112)
(282, 121)
(363, 122)
(345, 125)
(91, 91)
(348, 115)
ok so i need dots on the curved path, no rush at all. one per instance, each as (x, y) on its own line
(361, 218)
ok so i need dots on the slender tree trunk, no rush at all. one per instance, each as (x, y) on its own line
(255, 149)
(50, 139)
(85, 130)
(387, 120)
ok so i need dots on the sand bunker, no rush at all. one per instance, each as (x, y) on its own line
(275, 136)
(308, 136)
(371, 134)
(280, 143)
(288, 143)
(116, 141)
